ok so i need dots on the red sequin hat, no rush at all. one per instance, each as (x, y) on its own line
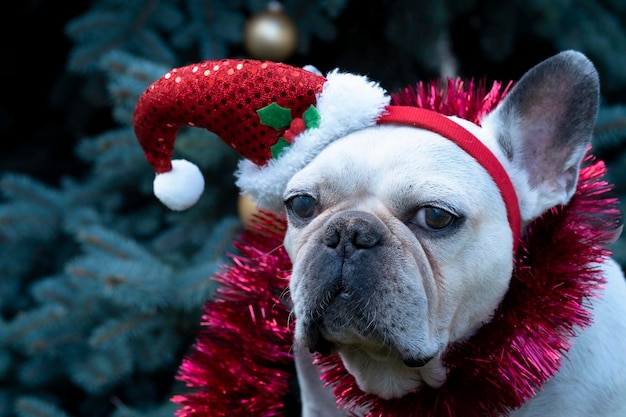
(278, 118)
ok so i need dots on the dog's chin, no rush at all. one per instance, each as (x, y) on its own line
(385, 375)
(378, 368)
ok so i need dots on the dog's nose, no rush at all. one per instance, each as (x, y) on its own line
(353, 230)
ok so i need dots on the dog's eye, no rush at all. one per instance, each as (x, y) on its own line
(434, 218)
(303, 206)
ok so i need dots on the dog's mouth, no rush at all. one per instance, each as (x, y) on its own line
(325, 347)
(328, 338)
(321, 345)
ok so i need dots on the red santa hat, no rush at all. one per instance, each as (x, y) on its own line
(256, 108)
(278, 118)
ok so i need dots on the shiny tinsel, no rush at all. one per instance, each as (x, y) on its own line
(466, 99)
(241, 363)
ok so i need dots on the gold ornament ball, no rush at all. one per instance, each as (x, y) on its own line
(247, 209)
(270, 35)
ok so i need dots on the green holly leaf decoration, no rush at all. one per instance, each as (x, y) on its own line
(311, 117)
(279, 147)
(278, 117)
(275, 116)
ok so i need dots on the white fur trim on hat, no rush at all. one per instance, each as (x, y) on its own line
(181, 187)
(347, 103)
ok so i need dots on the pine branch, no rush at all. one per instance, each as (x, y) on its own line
(129, 26)
(24, 188)
(97, 372)
(99, 241)
(39, 371)
(36, 407)
(25, 220)
(32, 332)
(122, 329)
(196, 285)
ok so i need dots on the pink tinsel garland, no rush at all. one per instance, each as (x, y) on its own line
(241, 363)
(468, 100)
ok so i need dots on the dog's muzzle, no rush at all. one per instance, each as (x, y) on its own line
(347, 248)
(349, 273)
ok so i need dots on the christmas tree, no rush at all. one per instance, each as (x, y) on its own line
(102, 287)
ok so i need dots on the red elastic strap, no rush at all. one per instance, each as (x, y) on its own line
(438, 123)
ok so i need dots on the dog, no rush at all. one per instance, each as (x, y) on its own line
(401, 246)
(403, 231)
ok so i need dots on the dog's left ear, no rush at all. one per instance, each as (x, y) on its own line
(544, 126)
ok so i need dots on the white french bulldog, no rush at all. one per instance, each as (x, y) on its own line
(401, 246)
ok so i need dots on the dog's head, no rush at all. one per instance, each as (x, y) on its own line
(400, 240)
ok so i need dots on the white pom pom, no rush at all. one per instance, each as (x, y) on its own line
(181, 187)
